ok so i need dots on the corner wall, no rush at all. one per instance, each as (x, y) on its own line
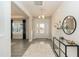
(5, 29)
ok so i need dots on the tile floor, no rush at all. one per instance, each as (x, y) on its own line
(18, 47)
(36, 48)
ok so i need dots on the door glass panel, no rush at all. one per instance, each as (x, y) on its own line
(42, 26)
(37, 31)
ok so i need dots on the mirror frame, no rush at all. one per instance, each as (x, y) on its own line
(74, 25)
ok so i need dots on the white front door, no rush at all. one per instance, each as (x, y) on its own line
(41, 29)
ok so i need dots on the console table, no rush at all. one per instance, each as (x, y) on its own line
(63, 49)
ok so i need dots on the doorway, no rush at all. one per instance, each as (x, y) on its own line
(18, 29)
(41, 28)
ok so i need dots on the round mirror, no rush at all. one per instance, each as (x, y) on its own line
(69, 25)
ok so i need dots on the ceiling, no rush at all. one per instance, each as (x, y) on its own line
(46, 8)
(16, 11)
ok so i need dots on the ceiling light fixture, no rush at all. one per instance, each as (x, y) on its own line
(42, 16)
(39, 16)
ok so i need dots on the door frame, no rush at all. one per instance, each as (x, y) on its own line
(24, 29)
(11, 29)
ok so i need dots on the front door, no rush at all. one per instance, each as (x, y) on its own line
(41, 28)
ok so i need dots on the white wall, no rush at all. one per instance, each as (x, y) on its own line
(5, 38)
(47, 28)
(65, 9)
(30, 30)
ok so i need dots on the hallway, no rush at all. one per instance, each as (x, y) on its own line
(34, 25)
(37, 48)
(39, 28)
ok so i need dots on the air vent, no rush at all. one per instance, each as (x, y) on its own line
(39, 3)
